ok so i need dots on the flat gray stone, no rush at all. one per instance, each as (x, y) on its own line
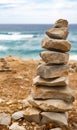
(59, 118)
(57, 33)
(32, 115)
(54, 44)
(15, 126)
(51, 105)
(5, 119)
(54, 57)
(18, 115)
(47, 71)
(60, 81)
(45, 92)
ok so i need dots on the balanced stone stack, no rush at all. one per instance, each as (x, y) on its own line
(51, 96)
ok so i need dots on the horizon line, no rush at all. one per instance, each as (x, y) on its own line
(32, 23)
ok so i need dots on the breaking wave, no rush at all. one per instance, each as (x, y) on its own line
(3, 48)
(15, 36)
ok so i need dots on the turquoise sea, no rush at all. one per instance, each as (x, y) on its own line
(25, 40)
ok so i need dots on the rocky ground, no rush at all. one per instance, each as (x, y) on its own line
(16, 77)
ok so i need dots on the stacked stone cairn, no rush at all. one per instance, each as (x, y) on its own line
(51, 96)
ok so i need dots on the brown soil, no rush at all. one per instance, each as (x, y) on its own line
(16, 83)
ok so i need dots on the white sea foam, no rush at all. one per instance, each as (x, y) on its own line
(14, 33)
(3, 48)
(73, 57)
(15, 36)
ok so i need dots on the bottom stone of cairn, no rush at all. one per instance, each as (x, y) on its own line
(51, 105)
(36, 115)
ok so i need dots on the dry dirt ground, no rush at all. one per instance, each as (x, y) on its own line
(15, 82)
(16, 77)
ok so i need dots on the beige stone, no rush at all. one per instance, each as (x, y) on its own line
(59, 118)
(54, 44)
(45, 92)
(60, 81)
(61, 23)
(32, 115)
(47, 71)
(54, 57)
(5, 119)
(17, 115)
(57, 33)
(50, 105)
(16, 126)
(56, 129)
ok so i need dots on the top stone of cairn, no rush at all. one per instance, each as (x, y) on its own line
(59, 30)
(61, 23)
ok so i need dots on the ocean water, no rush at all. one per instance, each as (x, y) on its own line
(25, 40)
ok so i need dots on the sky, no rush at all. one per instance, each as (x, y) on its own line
(37, 11)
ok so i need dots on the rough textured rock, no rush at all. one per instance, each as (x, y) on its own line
(56, 129)
(57, 33)
(32, 115)
(45, 92)
(54, 44)
(54, 57)
(59, 118)
(47, 71)
(18, 115)
(5, 119)
(60, 81)
(61, 23)
(51, 105)
(15, 126)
